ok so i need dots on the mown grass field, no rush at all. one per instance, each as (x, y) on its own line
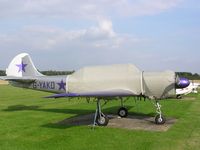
(27, 122)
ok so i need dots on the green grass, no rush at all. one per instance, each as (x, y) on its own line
(27, 122)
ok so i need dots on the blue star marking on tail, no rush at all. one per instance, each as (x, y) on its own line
(61, 85)
(21, 67)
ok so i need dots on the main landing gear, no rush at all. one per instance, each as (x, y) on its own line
(99, 118)
(159, 119)
(122, 111)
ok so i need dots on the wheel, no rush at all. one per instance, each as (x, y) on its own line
(160, 120)
(123, 112)
(102, 120)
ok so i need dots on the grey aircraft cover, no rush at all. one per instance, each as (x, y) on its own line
(126, 79)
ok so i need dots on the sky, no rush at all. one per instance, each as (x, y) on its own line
(154, 35)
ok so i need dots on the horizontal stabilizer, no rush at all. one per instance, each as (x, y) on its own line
(18, 79)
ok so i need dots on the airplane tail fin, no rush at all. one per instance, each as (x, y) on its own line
(22, 66)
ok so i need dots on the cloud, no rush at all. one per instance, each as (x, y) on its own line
(102, 35)
(144, 7)
(50, 38)
(91, 9)
(30, 29)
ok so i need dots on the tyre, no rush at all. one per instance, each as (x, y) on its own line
(123, 112)
(160, 119)
(102, 120)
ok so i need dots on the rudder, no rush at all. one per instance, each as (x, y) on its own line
(21, 66)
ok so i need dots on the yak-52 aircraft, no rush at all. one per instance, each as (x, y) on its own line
(101, 82)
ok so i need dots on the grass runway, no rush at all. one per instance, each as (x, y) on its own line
(28, 123)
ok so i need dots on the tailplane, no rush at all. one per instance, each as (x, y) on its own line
(22, 66)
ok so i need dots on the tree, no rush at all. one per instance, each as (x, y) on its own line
(2, 73)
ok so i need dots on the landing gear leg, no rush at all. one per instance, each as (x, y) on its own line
(122, 111)
(99, 118)
(159, 119)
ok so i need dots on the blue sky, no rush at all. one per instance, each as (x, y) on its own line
(67, 35)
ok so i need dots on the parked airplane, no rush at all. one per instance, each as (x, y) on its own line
(192, 88)
(100, 82)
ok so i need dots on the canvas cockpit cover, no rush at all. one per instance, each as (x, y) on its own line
(106, 78)
(120, 79)
(159, 84)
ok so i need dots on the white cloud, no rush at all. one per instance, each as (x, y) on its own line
(144, 7)
(49, 38)
(91, 9)
(98, 39)
(44, 37)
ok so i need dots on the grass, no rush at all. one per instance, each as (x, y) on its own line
(28, 123)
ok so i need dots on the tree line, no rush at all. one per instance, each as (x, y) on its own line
(49, 72)
(188, 75)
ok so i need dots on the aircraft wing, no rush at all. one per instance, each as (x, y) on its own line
(94, 94)
(18, 79)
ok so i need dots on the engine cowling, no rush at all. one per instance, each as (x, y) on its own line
(182, 83)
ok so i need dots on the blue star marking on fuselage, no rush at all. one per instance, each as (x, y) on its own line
(21, 67)
(61, 85)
